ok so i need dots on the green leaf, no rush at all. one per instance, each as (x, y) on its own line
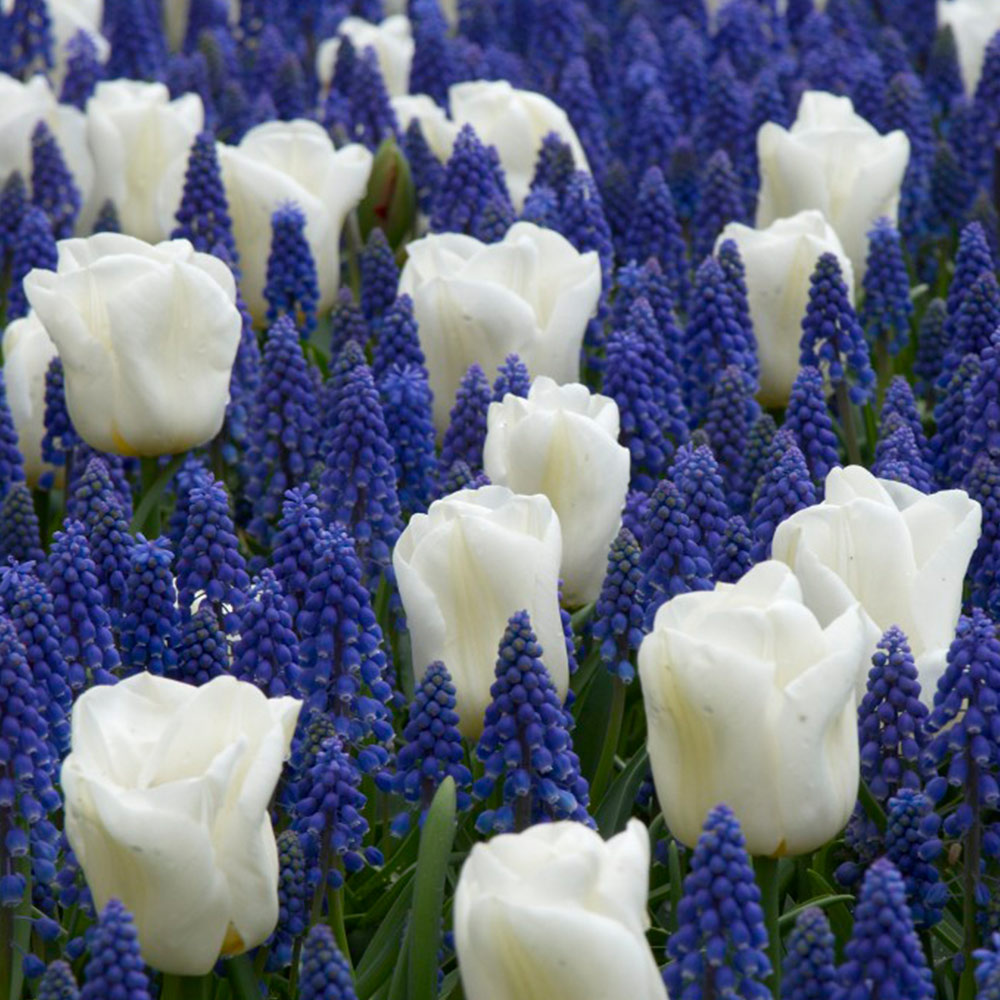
(153, 494)
(616, 807)
(593, 716)
(428, 893)
(841, 921)
(818, 902)
(382, 952)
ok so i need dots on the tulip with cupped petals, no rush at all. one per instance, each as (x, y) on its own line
(392, 40)
(147, 336)
(166, 794)
(463, 568)
(779, 261)
(973, 23)
(556, 912)
(831, 159)
(531, 294)
(563, 441)
(900, 553)
(750, 701)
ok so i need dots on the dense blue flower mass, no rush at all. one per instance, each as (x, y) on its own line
(115, 967)
(292, 287)
(809, 972)
(619, 610)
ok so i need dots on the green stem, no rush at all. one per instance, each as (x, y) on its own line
(184, 987)
(972, 852)
(875, 812)
(335, 916)
(846, 411)
(883, 366)
(242, 978)
(154, 484)
(605, 762)
(767, 878)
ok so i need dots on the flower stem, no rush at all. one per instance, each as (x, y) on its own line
(154, 484)
(846, 411)
(184, 987)
(616, 713)
(335, 916)
(767, 878)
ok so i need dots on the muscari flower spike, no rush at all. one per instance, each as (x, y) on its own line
(734, 555)
(11, 460)
(832, 339)
(347, 322)
(972, 258)
(326, 974)
(618, 616)
(34, 246)
(513, 379)
(202, 648)
(731, 261)
(526, 741)
(988, 970)
(292, 288)
(115, 968)
(13, 203)
(293, 912)
(731, 411)
(898, 457)
(672, 560)
(977, 317)
(656, 232)
(980, 428)
(107, 220)
(407, 407)
(784, 488)
(294, 553)
(53, 188)
(554, 165)
(203, 215)
(720, 202)
(808, 971)
(982, 483)
(720, 945)
(655, 130)
(949, 419)
(150, 618)
(900, 405)
(370, 115)
(696, 475)
(432, 750)
(808, 418)
(466, 433)
(396, 341)
(583, 222)
(58, 982)
(912, 845)
(428, 172)
(267, 651)
(60, 436)
(431, 72)
(137, 43)
(28, 38)
(883, 956)
(379, 275)
(951, 189)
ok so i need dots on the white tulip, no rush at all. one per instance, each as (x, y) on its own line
(515, 122)
(147, 336)
(280, 162)
(556, 912)
(779, 262)
(392, 40)
(463, 568)
(22, 106)
(973, 23)
(27, 353)
(563, 441)
(167, 789)
(531, 294)
(138, 136)
(750, 701)
(832, 160)
(901, 553)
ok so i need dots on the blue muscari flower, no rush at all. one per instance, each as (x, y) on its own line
(28, 38)
(328, 816)
(97, 474)
(912, 845)
(900, 405)
(629, 379)
(660, 340)
(652, 133)
(347, 322)
(150, 618)
(731, 262)
(460, 477)
(203, 214)
(284, 426)
(58, 982)
(553, 165)
(407, 407)
(34, 246)
(883, 956)
(13, 203)
(204, 19)
(906, 107)
(428, 173)
(202, 648)
(555, 34)
(11, 460)
(634, 514)
(265, 55)
(473, 180)
(107, 220)
(209, 558)
(293, 554)
(731, 411)
(115, 968)
(267, 651)
(576, 95)
(981, 423)
(720, 202)
(234, 112)
(20, 534)
(808, 971)
(343, 662)
(53, 188)
(379, 275)
(963, 723)
(744, 34)
(982, 483)
(655, 232)
(192, 473)
(431, 70)
(943, 75)
(60, 436)
(808, 418)
(466, 430)
(137, 43)
(583, 222)
(83, 620)
(767, 101)
(984, 212)
(370, 113)
(949, 418)
(326, 974)
(687, 70)
(358, 483)
(977, 318)
(512, 379)
(972, 258)
(697, 477)
(618, 195)
(618, 613)
(715, 337)
(526, 741)
(891, 719)
(951, 189)
(541, 207)
(832, 339)
(725, 120)
(734, 555)
(886, 308)
(396, 341)
(290, 91)
(432, 748)
(719, 947)
(988, 968)
(898, 457)
(292, 288)
(984, 110)
(784, 488)
(293, 905)
(672, 561)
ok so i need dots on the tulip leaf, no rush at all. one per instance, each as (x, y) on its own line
(428, 893)
(615, 808)
(382, 952)
(143, 519)
(593, 720)
(841, 920)
(817, 902)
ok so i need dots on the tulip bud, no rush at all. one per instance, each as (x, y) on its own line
(390, 201)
